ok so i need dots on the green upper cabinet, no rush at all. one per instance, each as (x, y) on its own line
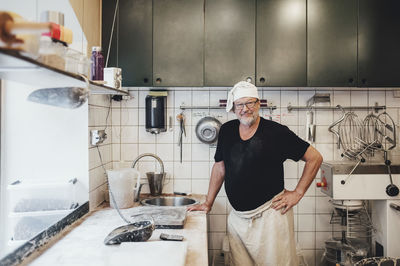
(135, 42)
(332, 42)
(178, 42)
(378, 43)
(108, 8)
(281, 43)
(229, 50)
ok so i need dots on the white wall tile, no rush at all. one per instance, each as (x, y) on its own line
(322, 205)
(289, 97)
(200, 186)
(323, 222)
(142, 98)
(341, 97)
(186, 153)
(217, 223)
(200, 170)
(273, 97)
(215, 96)
(304, 96)
(183, 185)
(115, 116)
(219, 206)
(133, 101)
(306, 205)
(290, 169)
(376, 96)
(146, 137)
(309, 256)
(200, 152)
(165, 152)
(116, 134)
(129, 134)
(391, 101)
(167, 136)
(183, 98)
(200, 98)
(129, 117)
(215, 240)
(182, 170)
(116, 152)
(129, 152)
(142, 117)
(306, 222)
(359, 98)
(306, 240)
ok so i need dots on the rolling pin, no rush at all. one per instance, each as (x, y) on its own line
(12, 24)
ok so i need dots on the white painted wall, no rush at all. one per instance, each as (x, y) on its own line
(38, 141)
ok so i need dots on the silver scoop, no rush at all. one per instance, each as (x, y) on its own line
(66, 97)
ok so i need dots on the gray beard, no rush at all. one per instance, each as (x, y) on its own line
(248, 121)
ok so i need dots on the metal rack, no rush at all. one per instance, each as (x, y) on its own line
(182, 107)
(376, 107)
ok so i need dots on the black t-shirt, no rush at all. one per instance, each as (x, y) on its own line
(254, 167)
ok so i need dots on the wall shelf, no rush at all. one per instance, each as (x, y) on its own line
(17, 67)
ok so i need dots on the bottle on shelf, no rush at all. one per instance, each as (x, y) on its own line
(97, 63)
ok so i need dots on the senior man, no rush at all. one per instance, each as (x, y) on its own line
(249, 158)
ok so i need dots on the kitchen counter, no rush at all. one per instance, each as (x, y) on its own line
(82, 243)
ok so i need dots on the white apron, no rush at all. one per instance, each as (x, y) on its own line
(262, 237)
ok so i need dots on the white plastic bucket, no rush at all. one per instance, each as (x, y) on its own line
(122, 184)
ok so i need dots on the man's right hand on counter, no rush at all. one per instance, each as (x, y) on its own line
(200, 207)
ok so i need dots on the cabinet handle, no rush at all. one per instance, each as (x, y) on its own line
(262, 80)
(364, 81)
(249, 79)
(351, 80)
(158, 80)
(145, 80)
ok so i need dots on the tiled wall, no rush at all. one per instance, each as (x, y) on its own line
(129, 139)
(99, 106)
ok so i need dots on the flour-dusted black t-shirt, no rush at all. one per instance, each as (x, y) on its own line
(254, 167)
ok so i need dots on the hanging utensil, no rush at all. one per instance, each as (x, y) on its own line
(388, 133)
(330, 128)
(207, 129)
(182, 131)
(66, 97)
(310, 127)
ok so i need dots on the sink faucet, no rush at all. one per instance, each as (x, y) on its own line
(137, 192)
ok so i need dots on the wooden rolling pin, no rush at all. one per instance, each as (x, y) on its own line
(12, 24)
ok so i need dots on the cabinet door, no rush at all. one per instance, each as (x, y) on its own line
(178, 42)
(108, 8)
(332, 42)
(281, 43)
(378, 43)
(135, 42)
(229, 42)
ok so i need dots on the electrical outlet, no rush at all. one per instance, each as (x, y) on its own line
(98, 136)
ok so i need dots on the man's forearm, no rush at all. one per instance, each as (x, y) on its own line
(216, 180)
(313, 163)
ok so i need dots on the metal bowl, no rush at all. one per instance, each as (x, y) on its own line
(207, 129)
(169, 201)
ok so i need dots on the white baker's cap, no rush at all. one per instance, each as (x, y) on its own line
(240, 90)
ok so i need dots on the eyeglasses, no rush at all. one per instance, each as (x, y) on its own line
(249, 105)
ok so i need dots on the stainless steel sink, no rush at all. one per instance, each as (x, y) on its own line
(169, 201)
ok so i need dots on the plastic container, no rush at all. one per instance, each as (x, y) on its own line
(37, 195)
(51, 53)
(26, 225)
(122, 185)
(97, 64)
